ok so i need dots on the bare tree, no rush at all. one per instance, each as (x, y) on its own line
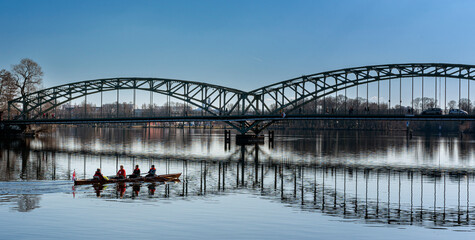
(465, 104)
(452, 104)
(428, 103)
(27, 76)
(7, 89)
(417, 103)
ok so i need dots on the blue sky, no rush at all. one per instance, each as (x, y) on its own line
(240, 44)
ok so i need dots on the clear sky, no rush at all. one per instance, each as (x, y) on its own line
(240, 44)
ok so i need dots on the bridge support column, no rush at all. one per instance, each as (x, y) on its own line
(227, 139)
(243, 139)
(271, 139)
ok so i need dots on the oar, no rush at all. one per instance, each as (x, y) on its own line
(140, 174)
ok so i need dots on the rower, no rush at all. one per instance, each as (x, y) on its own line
(98, 175)
(152, 172)
(136, 172)
(121, 173)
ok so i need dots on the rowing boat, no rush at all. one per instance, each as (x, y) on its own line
(160, 178)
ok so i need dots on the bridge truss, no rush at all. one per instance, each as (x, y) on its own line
(236, 106)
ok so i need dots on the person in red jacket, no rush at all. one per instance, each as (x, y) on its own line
(98, 175)
(121, 173)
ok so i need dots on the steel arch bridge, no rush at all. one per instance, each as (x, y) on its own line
(232, 105)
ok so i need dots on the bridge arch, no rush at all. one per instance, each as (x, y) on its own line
(213, 99)
(292, 94)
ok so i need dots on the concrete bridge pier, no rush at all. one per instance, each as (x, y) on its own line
(227, 139)
(245, 139)
(255, 128)
(271, 139)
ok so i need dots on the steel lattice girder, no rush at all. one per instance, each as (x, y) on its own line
(287, 95)
(292, 94)
(201, 95)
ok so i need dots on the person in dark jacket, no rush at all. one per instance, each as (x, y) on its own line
(136, 172)
(152, 172)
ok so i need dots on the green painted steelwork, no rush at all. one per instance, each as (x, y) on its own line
(275, 99)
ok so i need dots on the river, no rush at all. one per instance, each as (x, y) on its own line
(304, 184)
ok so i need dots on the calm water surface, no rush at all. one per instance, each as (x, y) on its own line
(306, 185)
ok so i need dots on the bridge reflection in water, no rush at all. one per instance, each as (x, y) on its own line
(431, 197)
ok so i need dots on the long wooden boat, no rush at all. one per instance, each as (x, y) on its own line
(160, 178)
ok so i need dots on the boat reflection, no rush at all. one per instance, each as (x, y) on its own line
(135, 189)
(98, 188)
(119, 190)
(151, 189)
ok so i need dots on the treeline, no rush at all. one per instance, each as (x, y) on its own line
(124, 109)
(344, 105)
